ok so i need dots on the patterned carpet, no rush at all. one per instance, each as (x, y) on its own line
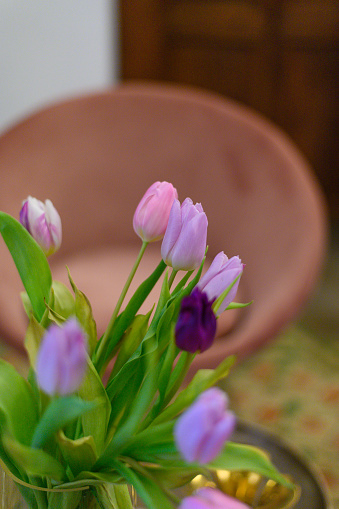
(292, 385)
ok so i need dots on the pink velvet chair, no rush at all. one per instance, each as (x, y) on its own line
(94, 156)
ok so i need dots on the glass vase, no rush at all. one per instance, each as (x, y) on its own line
(16, 496)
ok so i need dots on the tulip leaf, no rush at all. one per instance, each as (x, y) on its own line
(80, 454)
(30, 261)
(33, 461)
(83, 312)
(59, 412)
(33, 337)
(148, 490)
(63, 304)
(17, 403)
(203, 380)
(95, 422)
(131, 340)
(237, 305)
(247, 457)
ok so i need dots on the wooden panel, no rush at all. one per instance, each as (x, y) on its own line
(280, 57)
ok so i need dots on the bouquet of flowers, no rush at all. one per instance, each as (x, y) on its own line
(96, 416)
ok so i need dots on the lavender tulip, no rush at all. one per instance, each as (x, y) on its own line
(202, 430)
(196, 325)
(184, 244)
(151, 215)
(43, 222)
(210, 498)
(220, 275)
(62, 359)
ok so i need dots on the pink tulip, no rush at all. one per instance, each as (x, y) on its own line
(151, 215)
(184, 244)
(62, 359)
(220, 275)
(210, 498)
(202, 430)
(43, 222)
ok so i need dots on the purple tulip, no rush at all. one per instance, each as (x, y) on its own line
(202, 430)
(151, 215)
(210, 498)
(196, 325)
(222, 272)
(43, 222)
(62, 359)
(184, 244)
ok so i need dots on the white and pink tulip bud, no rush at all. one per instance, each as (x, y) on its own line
(151, 215)
(43, 222)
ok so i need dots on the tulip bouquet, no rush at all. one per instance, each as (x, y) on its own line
(98, 415)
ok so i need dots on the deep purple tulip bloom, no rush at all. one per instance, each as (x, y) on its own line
(222, 272)
(202, 430)
(196, 325)
(210, 498)
(151, 215)
(184, 243)
(62, 359)
(43, 222)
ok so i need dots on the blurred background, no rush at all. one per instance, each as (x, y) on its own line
(280, 57)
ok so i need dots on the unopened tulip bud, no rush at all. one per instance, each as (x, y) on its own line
(202, 430)
(211, 498)
(62, 359)
(151, 215)
(43, 222)
(220, 275)
(184, 244)
(196, 324)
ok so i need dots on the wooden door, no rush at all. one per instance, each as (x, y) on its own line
(277, 56)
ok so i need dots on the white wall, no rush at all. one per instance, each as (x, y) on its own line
(51, 49)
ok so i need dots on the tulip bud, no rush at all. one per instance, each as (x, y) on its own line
(196, 325)
(62, 359)
(219, 276)
(202, 430)
(43, 222)
(151, 215)
(184, 244)
(211, 498)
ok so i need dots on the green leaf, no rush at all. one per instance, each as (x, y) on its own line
(95, 422)
(59, 412)
(34, 335)
(131, 340)
(148, 490)
(80, 454)
(17, 403)
(30, 261)
(64, 304)
(33, 461)
(246, 457)
(237, 305)
(203, 380)
(84, 314)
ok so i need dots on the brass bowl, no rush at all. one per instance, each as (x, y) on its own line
(251, 488)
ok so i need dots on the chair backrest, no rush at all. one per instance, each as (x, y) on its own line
(95, 155)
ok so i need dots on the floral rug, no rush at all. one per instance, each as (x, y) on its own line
(292, 388)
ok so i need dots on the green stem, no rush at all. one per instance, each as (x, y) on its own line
(105, 337)
(171, 278)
